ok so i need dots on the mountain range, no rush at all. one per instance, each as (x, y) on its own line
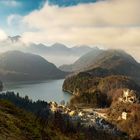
(100, 72)
(57, 53)
(107, 80)
(84, 61)
(106, 62)
(19, 66)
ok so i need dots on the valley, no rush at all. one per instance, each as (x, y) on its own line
(109, 86)
(69, 70)
(97, 95)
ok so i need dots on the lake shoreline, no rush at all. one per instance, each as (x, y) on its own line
(48, 90)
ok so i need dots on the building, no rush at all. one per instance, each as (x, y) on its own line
(124, 115)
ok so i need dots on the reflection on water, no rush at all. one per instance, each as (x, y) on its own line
(50, 90)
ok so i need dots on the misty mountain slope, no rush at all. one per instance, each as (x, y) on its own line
(82, 49)
(58, 49)
(104, 83)
(107, 63)
(55, 49)
(16, 65)
(56, 53)
(118, 62)
(83, 61)
(112, 55)
(110, 70)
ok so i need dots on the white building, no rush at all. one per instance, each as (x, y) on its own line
(129, 96)
(124, 115)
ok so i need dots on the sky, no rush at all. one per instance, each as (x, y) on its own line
(15, 9)
(107, 23)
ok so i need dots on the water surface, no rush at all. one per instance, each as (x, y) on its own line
(50, 90)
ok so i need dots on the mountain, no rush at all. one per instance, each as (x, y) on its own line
(19, 122)
(82, 49)
(55, 49)
(58, 49)
(97, 91)
(19, 66)
(110, 84)
(24, 119)
(116, 62)
(102, 73)
(57, 53)
(83, 61)
(112, 61)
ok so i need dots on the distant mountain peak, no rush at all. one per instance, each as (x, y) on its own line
(41, 44)
(58, 45)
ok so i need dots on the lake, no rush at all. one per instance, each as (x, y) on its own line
(50, 90)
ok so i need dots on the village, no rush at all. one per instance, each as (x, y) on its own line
(88, 117)
(91, 117)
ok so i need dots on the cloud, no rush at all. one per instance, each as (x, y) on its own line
(108, 23)
(2, 35)
(14, 24)
(111, 23)
(102, 13)
(14, 20)
(111, 37)
(10, 3)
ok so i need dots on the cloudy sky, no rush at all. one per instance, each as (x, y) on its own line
(108, 23)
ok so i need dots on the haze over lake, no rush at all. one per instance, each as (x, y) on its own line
(50, 90)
